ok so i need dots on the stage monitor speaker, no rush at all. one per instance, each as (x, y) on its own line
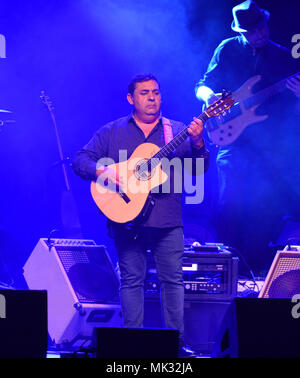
(202, 320)
(283, 279)
(23, 324)
(136, 343)
(82, 286)
(259, 328)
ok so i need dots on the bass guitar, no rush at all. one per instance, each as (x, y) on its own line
(226, 129)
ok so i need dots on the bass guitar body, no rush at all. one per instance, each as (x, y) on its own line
(226, 130)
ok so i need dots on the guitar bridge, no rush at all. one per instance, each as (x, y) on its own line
(125, 197)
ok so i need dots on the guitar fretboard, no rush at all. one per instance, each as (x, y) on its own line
(264, 94)
(169, 147)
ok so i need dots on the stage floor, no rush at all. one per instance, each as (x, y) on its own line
(246, 287)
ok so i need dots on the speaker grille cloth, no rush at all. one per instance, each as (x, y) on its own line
(90, 273)
(286, 285)
(285, 280)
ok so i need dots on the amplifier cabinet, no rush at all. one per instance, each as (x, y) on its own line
(283, 279)
(206, 276)
(82, 287)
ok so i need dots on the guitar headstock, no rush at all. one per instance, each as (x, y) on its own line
(220, 106)
(46, 100)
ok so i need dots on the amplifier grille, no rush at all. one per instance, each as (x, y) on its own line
(90, 273)
(283, 279)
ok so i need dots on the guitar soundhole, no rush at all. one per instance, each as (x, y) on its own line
(143, 170)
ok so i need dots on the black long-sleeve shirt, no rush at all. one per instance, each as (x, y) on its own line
(124, 134)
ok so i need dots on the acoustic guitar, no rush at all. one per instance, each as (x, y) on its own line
(142, 172)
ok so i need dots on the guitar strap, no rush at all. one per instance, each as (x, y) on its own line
(168, 132)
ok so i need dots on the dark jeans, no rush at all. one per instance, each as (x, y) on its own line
(167, 247)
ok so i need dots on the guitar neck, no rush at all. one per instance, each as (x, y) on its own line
(264, 94)
(214, 110)
(177, 140)
(170, 147)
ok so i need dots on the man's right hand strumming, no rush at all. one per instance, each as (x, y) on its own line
(109, 178)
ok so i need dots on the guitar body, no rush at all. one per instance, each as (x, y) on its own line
(136, 189)
(223, 132)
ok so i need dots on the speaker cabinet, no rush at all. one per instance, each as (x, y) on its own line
(283, 279)
(23, 324)
(202, 320)
(136, 343)
(82, 287)
(259, 328)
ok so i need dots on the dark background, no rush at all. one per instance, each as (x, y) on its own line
(83, 53)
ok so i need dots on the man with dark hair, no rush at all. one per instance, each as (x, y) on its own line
(139, 79)
(161, 231)
(258, 171)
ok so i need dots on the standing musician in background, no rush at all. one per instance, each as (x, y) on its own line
(162, 230)
(258, 170)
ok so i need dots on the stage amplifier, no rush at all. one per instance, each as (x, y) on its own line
(82, 287)
(208, 274)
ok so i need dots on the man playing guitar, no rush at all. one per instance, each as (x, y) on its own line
(161, 231)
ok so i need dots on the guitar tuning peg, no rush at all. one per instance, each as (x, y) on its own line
(226, 93)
